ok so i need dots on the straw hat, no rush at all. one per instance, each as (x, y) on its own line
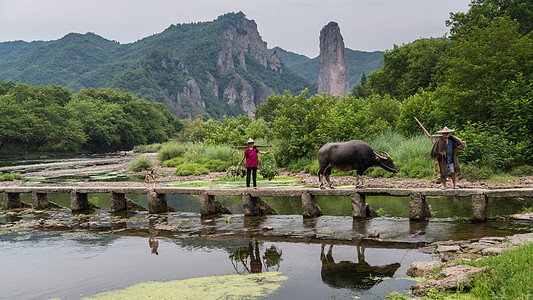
(250, 141)
(445, 130)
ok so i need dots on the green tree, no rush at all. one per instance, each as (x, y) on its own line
(409, 68)
(479, 66)
(482, 12)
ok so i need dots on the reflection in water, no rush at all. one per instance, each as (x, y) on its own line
(251, 261)
(358, 276)
(418, 227)
(154, 244)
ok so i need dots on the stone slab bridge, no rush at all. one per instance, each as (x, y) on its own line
(253, 205)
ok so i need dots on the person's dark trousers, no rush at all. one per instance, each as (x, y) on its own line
(253, 172)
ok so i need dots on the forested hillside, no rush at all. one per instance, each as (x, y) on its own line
(359, 62)
(51, 118)
(209, 69)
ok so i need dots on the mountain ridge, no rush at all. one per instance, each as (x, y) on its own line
(216, 68)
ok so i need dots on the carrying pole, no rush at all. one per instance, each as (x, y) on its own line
(427, 133)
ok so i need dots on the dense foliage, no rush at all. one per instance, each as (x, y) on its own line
(50, 118)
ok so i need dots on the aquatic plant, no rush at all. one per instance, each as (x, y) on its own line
(251, 286)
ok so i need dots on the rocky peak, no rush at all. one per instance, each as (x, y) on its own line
(332, 63)
(239, 38)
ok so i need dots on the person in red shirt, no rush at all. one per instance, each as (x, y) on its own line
(251, 162)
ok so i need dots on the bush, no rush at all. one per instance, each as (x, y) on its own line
(174, 162)
(172, 149)
(216, 165)
(471, 172)
(526, 170)
(142, 163)
(190, 169)
(218, 152)
(152, 148)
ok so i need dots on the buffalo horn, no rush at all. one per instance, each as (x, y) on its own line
(388, 156)
(379, 155)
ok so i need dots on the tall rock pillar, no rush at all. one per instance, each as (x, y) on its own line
(332, 63)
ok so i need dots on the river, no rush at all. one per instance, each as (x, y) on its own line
(54, 254)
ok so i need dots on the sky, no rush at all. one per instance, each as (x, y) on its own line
(294, 25)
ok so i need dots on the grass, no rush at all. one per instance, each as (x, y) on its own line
(510, 275)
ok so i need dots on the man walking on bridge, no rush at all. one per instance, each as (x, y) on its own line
(443, 152)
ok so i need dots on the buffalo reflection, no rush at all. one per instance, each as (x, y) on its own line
(251, 260)
(358, 276)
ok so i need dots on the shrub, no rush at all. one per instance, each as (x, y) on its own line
(17, 176)
(471, 172)
(526, 170)
(190, 169)
(142, 163)
(171, 150)
(174, 162)
(215, 165)
(152, 148)
(222, 152)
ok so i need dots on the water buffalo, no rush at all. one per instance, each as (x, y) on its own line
(352, 155)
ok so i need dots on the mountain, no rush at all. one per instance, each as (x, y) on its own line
(358, 62)
(216, 68)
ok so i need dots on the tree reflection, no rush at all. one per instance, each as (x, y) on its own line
(249, 258)
(358, 275)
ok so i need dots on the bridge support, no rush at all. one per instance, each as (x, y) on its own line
(255, 206)
(157, 203)
(418, 207)
(361, 209)
(310, 208)
(117, 201)
(12, 200)
(479, 208)
(79, 202)
(358, 205)
(209, 206)
(40, 200)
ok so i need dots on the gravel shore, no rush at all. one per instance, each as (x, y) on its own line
(166, 175)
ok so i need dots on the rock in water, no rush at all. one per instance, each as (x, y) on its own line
(332, 62)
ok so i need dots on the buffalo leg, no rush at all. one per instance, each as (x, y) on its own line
(320, 175)
(326, 174)
(359, 180)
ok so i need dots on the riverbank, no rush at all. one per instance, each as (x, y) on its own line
(166, 175)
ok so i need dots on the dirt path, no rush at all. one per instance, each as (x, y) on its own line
(167, 175)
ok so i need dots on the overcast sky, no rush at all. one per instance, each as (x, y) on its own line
(293, 25)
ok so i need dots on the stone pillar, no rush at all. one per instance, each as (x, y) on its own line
(207, 205)
(40, 200)
(418, 207)
(157, 203)
(79, 202)
(358, 205)
(479, 207)
(117, 201)
(309, 207)
(12, 200)
(255, 206)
